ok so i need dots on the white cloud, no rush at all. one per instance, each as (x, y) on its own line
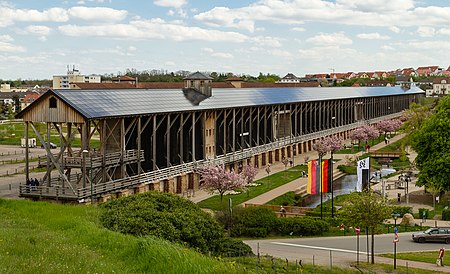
(209, 50)
(222, 55)
(431, 45)
(426, 31)
(155, 28)
(383, 13)
(38, 30)
(170, 3)
(9, 15)
(330, 39)
(6, 38)
(97, 14)
(377, 5)
(386, 47)
(445, 31)
(281, 53)
(8, 47)
(394, 29)
(267, 41)
(373, 36)
(298, 29)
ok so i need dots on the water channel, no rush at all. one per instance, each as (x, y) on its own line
(344, 185)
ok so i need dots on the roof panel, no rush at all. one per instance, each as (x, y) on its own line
(124, 102)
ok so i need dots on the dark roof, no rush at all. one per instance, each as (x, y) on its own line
(112, 103)
(279, 85)
(10, 95)
(197, 76)
(105, 85)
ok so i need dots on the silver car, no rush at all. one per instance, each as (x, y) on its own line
(434, 234)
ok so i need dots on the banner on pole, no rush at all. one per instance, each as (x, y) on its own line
(362, 170)
(314, 181)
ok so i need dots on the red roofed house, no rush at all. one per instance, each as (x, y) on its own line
(428, 71)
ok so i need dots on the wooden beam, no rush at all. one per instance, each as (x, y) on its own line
(52, 158)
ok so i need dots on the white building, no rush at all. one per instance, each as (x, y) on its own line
(73, 76)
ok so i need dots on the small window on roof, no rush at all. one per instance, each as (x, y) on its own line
(52, 102)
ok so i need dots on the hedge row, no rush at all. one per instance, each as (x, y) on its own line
(261, 222)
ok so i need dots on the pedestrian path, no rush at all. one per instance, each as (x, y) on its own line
(201, 195)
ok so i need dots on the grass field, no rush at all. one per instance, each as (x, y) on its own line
(39, 237)
(426, 257)
(11, 133)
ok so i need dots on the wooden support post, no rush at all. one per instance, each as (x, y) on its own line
(27, 151)
(122, 148)
(139, 126)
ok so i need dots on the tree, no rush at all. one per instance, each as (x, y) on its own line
(366, 209)
(359, 135)
(217, 178)
(248, 173)
(371, 132)
(432, 144)
(414, 118)
(387, 126)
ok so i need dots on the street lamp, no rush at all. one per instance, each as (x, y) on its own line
(395, 215)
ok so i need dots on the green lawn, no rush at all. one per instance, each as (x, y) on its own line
(426, 256)
(11, 134)
(39, 237)
(267, 183)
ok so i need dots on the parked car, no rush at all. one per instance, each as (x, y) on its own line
(434, 234)
(52, 145)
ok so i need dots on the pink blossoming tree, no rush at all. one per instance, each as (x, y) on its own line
(217, 178)
(387, 126)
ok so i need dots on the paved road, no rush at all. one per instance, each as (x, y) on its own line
(342, 251)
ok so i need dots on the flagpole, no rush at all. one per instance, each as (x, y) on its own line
(331, 181)
(320, 182)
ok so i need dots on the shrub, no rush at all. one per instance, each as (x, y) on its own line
(234, 248)
(166, 216)
(253, 221)
(423, 213)
(301, 226)
(446, 214)
(402, 210)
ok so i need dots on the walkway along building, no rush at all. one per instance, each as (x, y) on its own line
(155, 139)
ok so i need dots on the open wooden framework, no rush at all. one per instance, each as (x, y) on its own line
(162, 150)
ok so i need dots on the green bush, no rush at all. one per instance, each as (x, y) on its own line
(166, 216)
(301, 226)
(251, 221)
(234, 248)
(402, 210)
(446, 214)
(423, 213)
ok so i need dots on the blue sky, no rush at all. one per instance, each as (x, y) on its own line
(39, 39)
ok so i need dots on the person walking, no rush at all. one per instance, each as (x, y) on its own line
(282, 212)
(441, 255)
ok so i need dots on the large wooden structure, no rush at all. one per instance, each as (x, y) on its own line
(155, 139)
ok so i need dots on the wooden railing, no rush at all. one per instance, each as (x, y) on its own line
(385, 153)
(165, 173)
(290, 210)
(96, 161)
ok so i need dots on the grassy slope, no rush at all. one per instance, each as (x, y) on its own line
(38, 237)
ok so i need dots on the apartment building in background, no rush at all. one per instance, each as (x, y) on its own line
(72, 77)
